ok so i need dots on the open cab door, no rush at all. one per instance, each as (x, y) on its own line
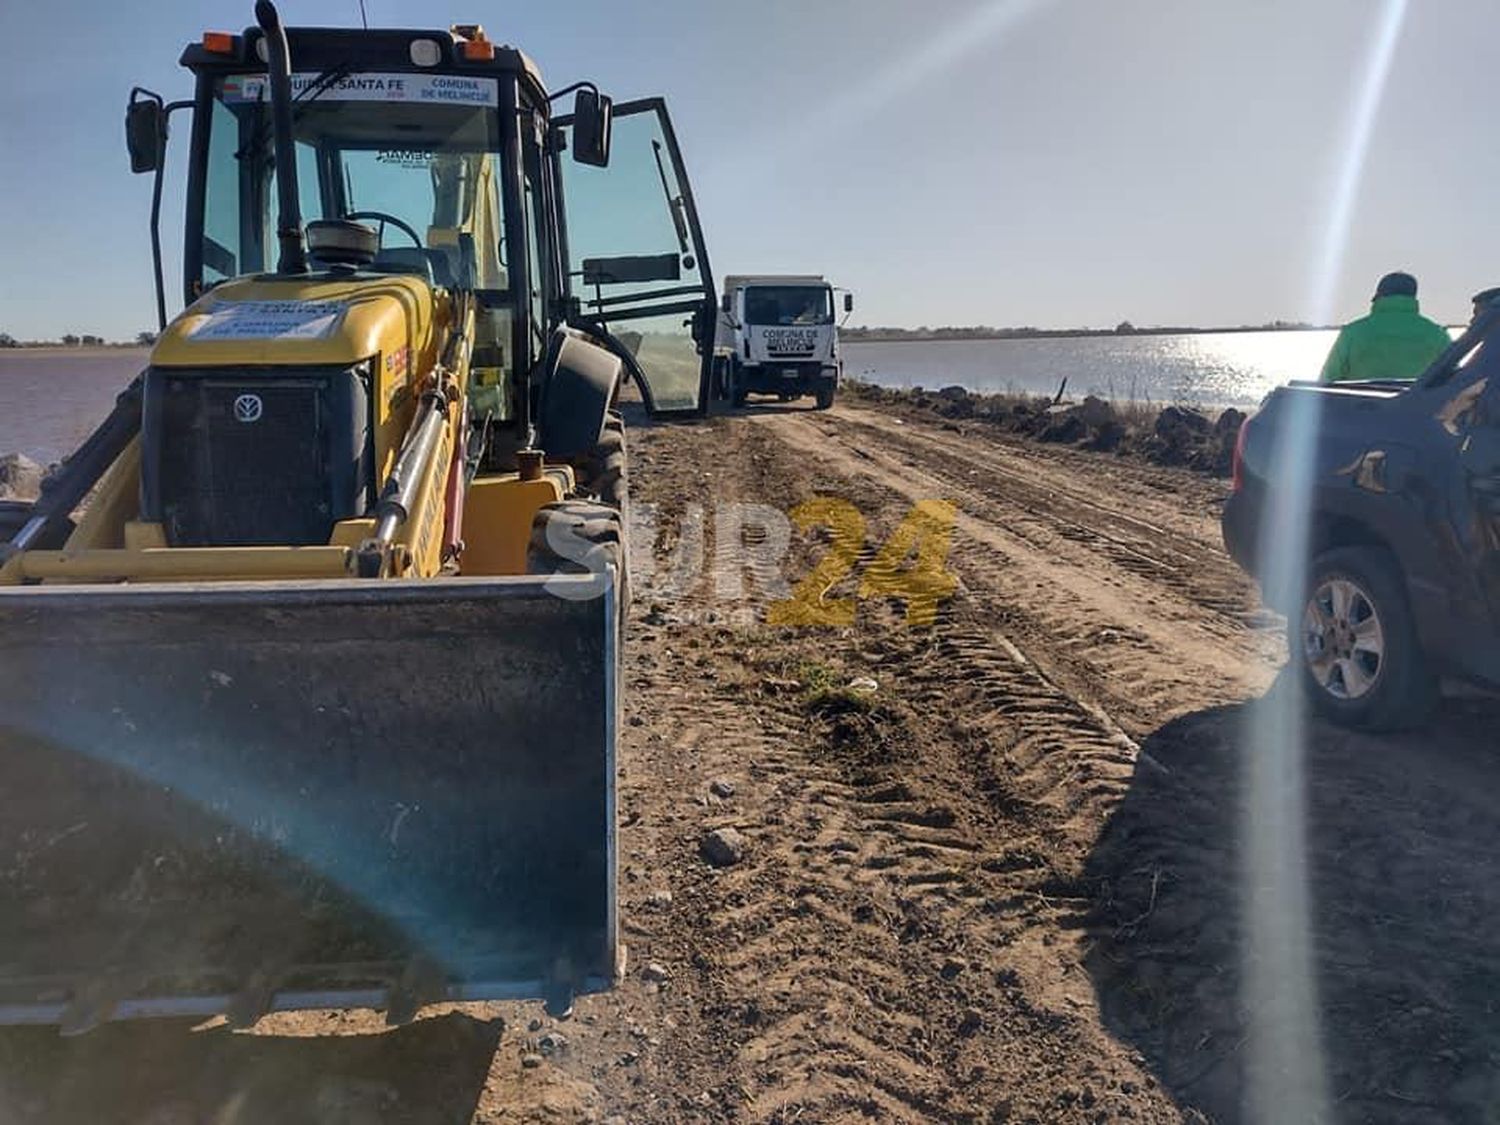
(637, 268)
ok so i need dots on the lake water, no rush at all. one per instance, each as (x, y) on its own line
(51, 398)
(1213, 369)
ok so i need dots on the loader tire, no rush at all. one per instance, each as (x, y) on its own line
(577, 537)
(601, 472)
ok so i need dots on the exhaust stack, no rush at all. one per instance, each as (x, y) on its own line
(279, 70)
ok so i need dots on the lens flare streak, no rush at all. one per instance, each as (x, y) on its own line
(1364, 110)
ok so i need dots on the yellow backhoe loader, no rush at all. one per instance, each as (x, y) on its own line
(309, 654)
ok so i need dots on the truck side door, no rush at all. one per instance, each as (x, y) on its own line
(1466, 409)
(1479, 456)
(636, 261)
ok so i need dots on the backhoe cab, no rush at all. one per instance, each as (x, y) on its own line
(311, 649)
(421, 210)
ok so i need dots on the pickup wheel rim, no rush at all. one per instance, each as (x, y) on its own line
(1343, 639)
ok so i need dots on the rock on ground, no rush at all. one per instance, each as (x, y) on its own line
(723, 847)
(20, 477)
(1229, 422)
(1094, 412)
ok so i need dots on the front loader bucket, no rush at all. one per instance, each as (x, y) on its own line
(239, 798)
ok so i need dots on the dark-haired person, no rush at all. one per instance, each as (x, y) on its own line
(1394, 342)
(1483, 300)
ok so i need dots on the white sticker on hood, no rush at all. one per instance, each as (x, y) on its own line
(268, 320)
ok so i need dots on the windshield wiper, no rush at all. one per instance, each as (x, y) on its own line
(310, 93)
(675, 205)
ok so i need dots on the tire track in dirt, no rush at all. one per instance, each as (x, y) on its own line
(885, 943)
(1180, 556)
(1180, 553)
(1107, 624)
(891, 948)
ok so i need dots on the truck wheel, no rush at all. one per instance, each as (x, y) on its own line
(1355, 644)
(825, 397)
(601, 471)
(737, 393)
(577, 537)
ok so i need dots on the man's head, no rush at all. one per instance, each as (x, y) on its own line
(1396, 285)
(1484, 299)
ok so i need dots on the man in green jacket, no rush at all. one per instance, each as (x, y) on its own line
(1394, 342)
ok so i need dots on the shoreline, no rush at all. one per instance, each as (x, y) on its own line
(1170, 436)
(93, 351)
(903, 336)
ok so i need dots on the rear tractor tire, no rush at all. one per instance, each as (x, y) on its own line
(602, 471)
(579, 537)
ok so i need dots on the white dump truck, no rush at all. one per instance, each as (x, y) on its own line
(777, 336)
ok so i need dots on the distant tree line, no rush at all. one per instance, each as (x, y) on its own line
(77, 340)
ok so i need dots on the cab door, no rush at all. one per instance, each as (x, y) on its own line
(637, 269)
(1479, 455)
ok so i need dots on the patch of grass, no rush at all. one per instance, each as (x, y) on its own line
(814, 676)
(825, 691)
(833, 701)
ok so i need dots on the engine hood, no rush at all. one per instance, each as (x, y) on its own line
(304, 320)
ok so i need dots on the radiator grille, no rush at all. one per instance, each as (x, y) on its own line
(256, 460)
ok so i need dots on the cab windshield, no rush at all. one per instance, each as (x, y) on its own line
(788, 304)
(413, 155)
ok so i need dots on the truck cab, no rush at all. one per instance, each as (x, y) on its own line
(778, 336)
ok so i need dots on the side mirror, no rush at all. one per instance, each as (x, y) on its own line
(145, 130)
(726, 304)
(848, 302)
(593, 121)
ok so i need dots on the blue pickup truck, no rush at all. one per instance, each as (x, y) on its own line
(1370, 514)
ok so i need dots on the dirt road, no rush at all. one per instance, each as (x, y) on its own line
(991, 867)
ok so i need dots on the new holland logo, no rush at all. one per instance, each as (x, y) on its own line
(248, 408)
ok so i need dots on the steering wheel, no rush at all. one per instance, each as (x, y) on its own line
(382, 218)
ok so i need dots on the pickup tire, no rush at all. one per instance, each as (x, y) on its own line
(1354, 643)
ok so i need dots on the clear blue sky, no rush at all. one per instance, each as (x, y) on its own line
(1049, 162)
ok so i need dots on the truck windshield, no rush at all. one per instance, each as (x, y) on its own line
(420, 149)
(788, 304)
